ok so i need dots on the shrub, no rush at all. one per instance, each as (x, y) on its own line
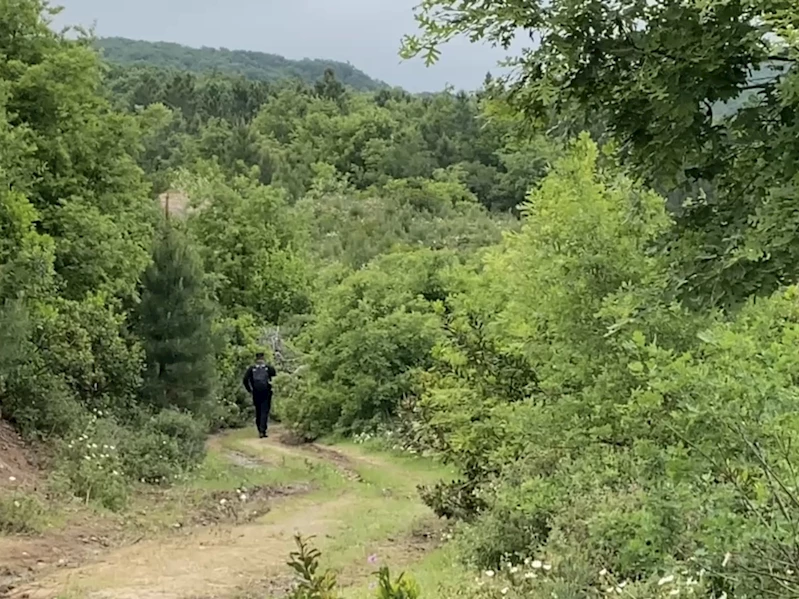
(372, 332)
(168, 444)
(21, 513)
(90, 464)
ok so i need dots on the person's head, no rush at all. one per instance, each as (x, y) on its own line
(259, 357)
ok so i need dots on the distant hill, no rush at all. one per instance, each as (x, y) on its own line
(252, 65)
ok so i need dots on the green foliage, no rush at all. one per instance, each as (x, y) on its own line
(595, 419)
(310, 583)
(252, 65)
(21, 513)
(662, 78)
(90, 464)
(402, 588)
(110, 324)
(354, 228)
(167, 445)
(375, 327)
(174, 321)
(250, 243)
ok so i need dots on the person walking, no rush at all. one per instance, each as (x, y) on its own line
(258, 382)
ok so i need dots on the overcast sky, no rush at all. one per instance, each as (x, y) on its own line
(366, 33)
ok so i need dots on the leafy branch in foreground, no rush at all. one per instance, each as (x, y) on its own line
(311, 583)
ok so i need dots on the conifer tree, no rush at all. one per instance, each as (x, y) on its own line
(175, 324)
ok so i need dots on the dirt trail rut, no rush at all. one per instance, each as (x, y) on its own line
(208, 562)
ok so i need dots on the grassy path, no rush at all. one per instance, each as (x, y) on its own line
(355, 502)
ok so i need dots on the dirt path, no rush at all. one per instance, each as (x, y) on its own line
(222, 560)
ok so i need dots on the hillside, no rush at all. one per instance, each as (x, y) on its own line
(253, 65)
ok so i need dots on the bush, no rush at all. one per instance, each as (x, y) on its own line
(371, 333)
(168, 445)
(90, 464)
(21, 513)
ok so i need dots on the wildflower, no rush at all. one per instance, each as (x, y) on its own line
(603, 572)
(505, 591)
(372, 559)
(537, 564)
(222, 501)
(666, 580)
(527, 561)
(514, 569)
(530, 575)
(16, 504)
(12, 478)
(723, 596)
(547, 567)
(489, 573)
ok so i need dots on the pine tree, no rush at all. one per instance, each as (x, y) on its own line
(175, 324)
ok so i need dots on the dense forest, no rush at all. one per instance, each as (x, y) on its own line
(576, 285)
(252, 65)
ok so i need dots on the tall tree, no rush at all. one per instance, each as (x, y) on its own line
(701, 97)
(175, 324)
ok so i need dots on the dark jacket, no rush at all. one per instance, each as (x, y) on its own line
(248, 382)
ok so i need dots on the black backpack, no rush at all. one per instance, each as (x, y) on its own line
(261, 381)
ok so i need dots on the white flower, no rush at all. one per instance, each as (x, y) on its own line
(537, 564)
(222, 501)
(666, 580)
(530, 575)
(723, 596)
(603, 572)
(727, 557)
(12, 478)
(505, 591)
(527, 561)
(547, 567)
(514, 569)
(16, 504)
(489, 573)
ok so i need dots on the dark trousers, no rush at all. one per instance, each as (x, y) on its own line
(263, 405)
